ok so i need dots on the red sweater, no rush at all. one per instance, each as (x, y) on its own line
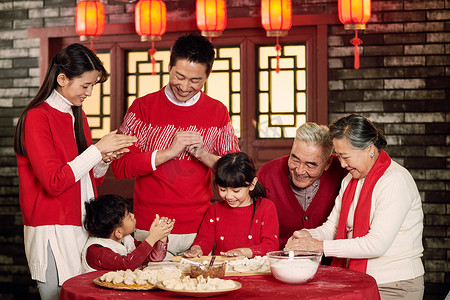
(274, 175)
(181, 187)
(230, 228)
(103, 258)
(48, 192)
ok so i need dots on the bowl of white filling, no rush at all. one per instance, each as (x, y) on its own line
(294, 267)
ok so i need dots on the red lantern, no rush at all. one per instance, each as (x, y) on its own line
(276, 18)
(211, 17)
(354, 14)
(150, 22)
(90, 20)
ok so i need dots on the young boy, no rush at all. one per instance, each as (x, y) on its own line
(111, 246)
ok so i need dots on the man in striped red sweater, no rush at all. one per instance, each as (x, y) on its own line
(181, 134)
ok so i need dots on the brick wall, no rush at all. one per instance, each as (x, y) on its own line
(403, 85)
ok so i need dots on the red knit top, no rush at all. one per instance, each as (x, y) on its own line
(48, 192)
(230, 228)
(274, 175)
(181, 187)
(103, 258)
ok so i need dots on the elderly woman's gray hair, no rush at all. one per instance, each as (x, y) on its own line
(317, 134)
(359, 131)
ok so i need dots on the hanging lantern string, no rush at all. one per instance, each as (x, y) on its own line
(278, 49)
(356, 42)
(152, 52)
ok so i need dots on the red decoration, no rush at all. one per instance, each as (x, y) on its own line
(276, 19)
(354, 14)
(211, 17)
(90, 20)
(150, 22)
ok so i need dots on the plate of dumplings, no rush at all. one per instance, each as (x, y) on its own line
(136, 280)
(199, 286)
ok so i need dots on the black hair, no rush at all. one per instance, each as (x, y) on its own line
(359, 131)
(194, 48)
(73, 61)
(237, 170)
(104, 214)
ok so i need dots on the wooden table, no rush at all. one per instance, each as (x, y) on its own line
(329, 283)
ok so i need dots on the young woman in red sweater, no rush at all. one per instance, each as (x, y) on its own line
(111, 246)
(59, 167)
(244, 223)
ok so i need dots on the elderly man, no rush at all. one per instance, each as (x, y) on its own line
(304, 184)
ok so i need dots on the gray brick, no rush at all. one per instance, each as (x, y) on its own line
(386, 5)
(6, 83)
(409, 151)
(342, 51)
(424, 94)
(344, 96)
(405, 38)
(424, 117)
(424, 49)
(28, 4)
(57, 22)
(28, 23)
(27, 43)
(43, 13)
(404, 61)
(4, 6)
(336, 85)
(384, 95)
(404, 16)
(14, 73)
(438, 174)
(402, 106)
(423, 4)
(404, 84)
(6, 102)
(335, 41)
(28, 82)
(70, 11)
(368, 106)
(363, 84)
(12, 34)
(439, 37)
(385, 117)
(386, 28)
(383, 50)
(5, 63)
(335, 63)
(424, 71)
(443, 60)
(442, 151)
(14, 92)
(442, 15)
(431, 185)
(424, 27)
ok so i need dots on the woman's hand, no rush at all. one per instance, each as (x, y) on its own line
(195, 251)
(300, 241)
(113, 142)
(238, 252)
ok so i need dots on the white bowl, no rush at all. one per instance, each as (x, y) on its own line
(294, 267)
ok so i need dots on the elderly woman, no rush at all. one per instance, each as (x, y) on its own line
(376, 224)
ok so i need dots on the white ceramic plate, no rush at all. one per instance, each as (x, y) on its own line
(208, 293)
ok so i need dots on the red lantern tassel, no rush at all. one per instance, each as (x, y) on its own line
(152, 52)
(356, 42)
(92, 44)
(278, 49)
